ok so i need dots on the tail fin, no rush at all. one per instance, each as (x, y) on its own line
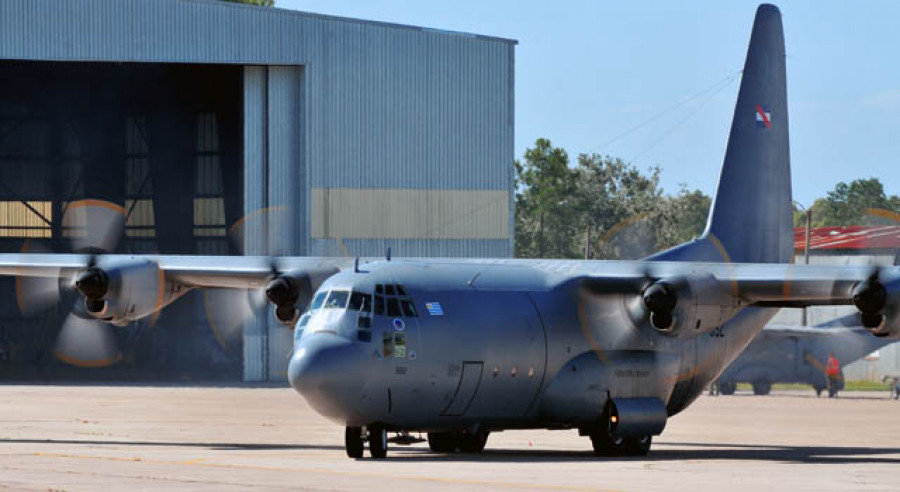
(750, 220)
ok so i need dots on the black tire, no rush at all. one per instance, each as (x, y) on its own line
(819, 390)
(762, 388)
(606, 445)
(638, 446)
(353, 442)
(471, 443)
(441, 442)
(378, 444)
(727, 388)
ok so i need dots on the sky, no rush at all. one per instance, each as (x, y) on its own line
(588, 71)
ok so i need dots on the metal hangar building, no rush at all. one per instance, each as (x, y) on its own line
(341, 136)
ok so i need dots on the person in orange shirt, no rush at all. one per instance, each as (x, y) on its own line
(833, 372)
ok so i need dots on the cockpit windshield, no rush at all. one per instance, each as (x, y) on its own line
(337, 299)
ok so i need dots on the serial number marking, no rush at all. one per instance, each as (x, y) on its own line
(632, 373)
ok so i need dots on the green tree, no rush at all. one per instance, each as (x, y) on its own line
(261, 3)
(683, 217)
(852, 204)
(543, 209)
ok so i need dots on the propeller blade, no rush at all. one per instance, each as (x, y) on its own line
(36, 294)
(250, 234)
(94, 226)
(228, 310)
(86, 343)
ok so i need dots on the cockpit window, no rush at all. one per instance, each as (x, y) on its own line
(391, 300)
(360, 302)
(337, 299)
(393, 307)
(409, 310)
(317, 301)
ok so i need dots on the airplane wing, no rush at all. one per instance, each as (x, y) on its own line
(683, 290)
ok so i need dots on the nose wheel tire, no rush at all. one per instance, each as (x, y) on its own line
(378, 441)
(353, 442)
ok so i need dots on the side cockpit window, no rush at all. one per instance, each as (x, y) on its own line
(317, 301)
(392, 300)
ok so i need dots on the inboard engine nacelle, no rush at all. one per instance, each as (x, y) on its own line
(687, 306)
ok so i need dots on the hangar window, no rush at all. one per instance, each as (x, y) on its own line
(26, 219)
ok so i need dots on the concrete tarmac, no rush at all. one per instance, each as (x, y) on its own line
(189, 438)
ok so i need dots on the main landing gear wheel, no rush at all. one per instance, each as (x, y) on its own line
(762, 388)
(606, 445)
(378, 441)
(471, 443)
(727, 388)
(441, 442)
(353, 442)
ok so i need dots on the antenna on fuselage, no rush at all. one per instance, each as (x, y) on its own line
(356, 265)
(387, 253)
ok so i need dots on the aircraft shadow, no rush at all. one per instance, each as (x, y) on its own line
(216, 446)
(662, 452)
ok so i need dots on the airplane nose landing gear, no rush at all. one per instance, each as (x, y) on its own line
(355, 438)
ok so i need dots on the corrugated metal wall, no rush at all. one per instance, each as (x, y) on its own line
(329, 104)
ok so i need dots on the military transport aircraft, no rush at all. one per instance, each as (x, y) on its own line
(461, 348)
(797, 354)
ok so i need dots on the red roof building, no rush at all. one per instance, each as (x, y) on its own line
(849, 240)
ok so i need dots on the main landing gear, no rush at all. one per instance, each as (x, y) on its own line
(606, 445)
(465, 442)
(375, 435)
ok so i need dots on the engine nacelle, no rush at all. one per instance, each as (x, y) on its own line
(878, 302)
(688, 306)
(124, 291)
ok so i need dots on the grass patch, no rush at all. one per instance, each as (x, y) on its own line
(848, 386)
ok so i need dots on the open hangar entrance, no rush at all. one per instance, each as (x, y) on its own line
(164, 141)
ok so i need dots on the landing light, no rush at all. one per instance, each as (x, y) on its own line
(614, 419)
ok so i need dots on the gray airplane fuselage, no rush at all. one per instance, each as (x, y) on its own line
(495, 346)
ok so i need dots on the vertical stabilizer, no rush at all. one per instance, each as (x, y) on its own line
(751, 219)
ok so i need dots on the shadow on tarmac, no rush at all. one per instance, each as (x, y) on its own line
(662, 452)
(210, 445)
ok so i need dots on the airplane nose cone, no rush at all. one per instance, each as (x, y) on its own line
(326, 370)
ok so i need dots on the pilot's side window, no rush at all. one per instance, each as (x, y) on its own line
(317, 301)
(360, 302)
(379, 305)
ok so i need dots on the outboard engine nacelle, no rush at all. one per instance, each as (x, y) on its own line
(123, 291)
(636, 417)
(878, 302)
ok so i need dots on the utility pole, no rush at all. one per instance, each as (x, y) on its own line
(587, 242)
(806, 254)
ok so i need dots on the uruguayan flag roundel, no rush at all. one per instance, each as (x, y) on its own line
(763, 116)
(434, 308)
